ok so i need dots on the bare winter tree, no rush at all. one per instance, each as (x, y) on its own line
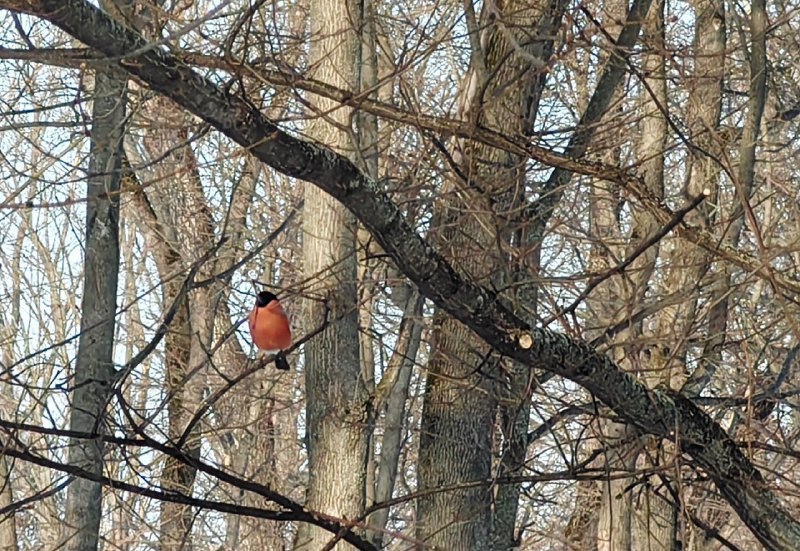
(596, 200)
(94, 365)
(337, 409)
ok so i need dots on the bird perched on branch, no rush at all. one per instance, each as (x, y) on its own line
(269, 328)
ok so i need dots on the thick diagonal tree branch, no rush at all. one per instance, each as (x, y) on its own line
(490, 317)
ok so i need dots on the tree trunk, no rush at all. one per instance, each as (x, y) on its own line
(8, 528)
(94, 368)
(176, 519)
(337, 414)
(185, 231)
(615, 298)
(688, 263)
(458, 417)
(8, 525)
(654, 525)
(395, 418)
(515, 408)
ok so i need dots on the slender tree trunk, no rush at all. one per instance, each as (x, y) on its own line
(606, 509)
(186, 227)
(337, 414)
(718, 316)
(176, 519)
(737, 215)
(515, 408)
(581, 530)
(366, 132)
(654, 525)
(8, 526)
(614, 523)
(94, 368)
(401, 363)
(687, 263)
(8, 529)
(607, 305)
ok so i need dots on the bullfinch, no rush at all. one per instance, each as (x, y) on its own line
(269, 328)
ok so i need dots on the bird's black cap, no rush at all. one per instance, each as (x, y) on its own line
(264, 297)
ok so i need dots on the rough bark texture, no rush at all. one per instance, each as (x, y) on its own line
(176, 519)
(689, 265)
(336, 399)
(186, 229)
(654, 526)
(460, 403)
(455, 444)
(94, 368)
(614, 299)
(515, 405)
(663, 414)
(8, 531)
(8, 525)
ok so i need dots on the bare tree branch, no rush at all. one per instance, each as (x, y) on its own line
(291, 509)
(489, 316)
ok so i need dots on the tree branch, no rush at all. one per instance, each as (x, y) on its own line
(446, 127)
(488, 315)
(292, 511)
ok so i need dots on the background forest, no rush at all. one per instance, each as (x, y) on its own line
(541, 261)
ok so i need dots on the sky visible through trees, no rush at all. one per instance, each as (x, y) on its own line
(541, 261)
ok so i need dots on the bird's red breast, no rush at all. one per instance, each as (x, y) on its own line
(269, 327)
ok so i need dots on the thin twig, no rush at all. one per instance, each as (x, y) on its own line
(677, 217)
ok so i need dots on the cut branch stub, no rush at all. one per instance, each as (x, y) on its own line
(478, 308)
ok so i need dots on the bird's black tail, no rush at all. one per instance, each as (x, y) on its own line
(281, 362)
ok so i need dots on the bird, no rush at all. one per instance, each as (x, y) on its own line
(269, 328)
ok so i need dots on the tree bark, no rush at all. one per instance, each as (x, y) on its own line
(687, 265)
(664, 414)
(337, 410)
(514, 408)
(94, 368)
(176, 519)
(400, 369)
(8, 529)
(459, 407)
(8, 525)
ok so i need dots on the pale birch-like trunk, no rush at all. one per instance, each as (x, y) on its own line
(398, 378)
(654, 518)
(186, 227)
(687, 263)
(605, 511)
(337, 413)
(8, 525)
